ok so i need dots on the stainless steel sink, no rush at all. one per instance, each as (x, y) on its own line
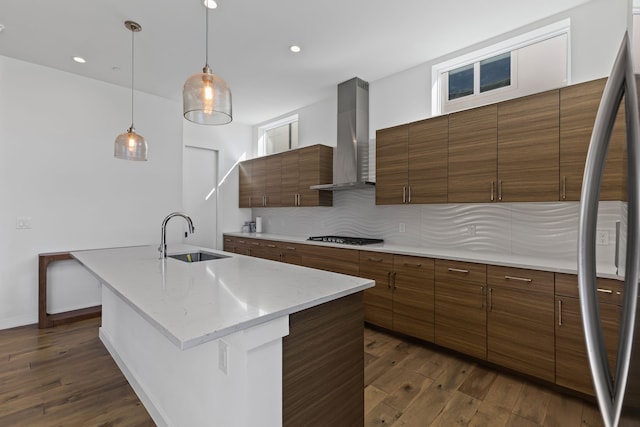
(197, 256)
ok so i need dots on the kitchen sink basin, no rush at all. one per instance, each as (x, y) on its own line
(197, 256)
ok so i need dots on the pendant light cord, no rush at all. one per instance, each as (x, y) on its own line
(132, 65)
(206, 35)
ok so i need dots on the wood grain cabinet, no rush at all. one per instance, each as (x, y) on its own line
(402, 299)
(238, 245)
(284, 179)
(460, 307)
(337, 260)
(473, 155)
(578, 107)
(572, 365)
(528, 148)
(520, 313)
(411, 163)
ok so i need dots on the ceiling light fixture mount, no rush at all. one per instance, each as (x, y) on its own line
(206, 97)
(130, 145)
(79, 59)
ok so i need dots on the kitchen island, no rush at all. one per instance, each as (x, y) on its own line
(233, 341)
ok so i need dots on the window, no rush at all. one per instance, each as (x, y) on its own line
(502, 71)
(278, 136)
(479, 77)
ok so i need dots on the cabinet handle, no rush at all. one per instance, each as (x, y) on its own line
(481, 297)
(520, 279)
(255, 243)
(493, 188)
(271, 246)
(409, 194)
(394, 281)
(389, 279)
(404, 194)
(605, 291)
(457, 270)
(490, 302)
(299, 200)
(500, 190)
(241, 241)
(407, 264)
(290, 248)
(564, 187)
(374, 259)
(559, 312)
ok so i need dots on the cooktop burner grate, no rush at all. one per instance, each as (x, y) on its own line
(346, 240)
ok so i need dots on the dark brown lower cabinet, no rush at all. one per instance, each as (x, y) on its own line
(572, 365)
(460, 307)
(323, 365)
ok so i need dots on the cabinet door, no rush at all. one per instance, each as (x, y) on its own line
(578, 108)
(273, 181)
(572, 364)
(528, 148)
(461, 317)
(314, 165)
(291, 253)
(258, 178)
(242, 246)
(290, 178)
(392, 175)
(413, 296)
(428, 160)
(378, 301)
(244, 199)
(338, 260)
(473, 155)
(520, 331)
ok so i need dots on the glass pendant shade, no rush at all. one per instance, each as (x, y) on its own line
(130, 146)
(207, 99)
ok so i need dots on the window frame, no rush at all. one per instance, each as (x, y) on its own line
(262, 130)
(439, 72)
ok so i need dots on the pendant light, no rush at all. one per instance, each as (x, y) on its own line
(206, 96)
(130, 145)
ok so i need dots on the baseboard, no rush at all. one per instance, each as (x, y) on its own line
(15, 322)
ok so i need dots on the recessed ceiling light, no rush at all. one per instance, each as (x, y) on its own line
(294, 48)
(210, 4)
(79, 59)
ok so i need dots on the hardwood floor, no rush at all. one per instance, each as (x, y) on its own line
(65, 377)
(408, 384)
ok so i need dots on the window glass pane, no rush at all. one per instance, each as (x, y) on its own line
(281, 138)
(461, 82)
(495, 72)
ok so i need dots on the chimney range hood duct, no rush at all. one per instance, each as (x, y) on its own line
(351, 155)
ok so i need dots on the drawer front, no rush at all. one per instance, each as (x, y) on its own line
(520, 278)
(609, 290)
(458, 270)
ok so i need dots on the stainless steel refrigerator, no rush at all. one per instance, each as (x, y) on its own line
(618, 393)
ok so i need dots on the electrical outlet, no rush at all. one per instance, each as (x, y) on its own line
(23, 223)
(602, 237)
(402, 227)
(223, 353)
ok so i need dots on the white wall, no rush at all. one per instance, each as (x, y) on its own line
(57, 167)
(234, 144)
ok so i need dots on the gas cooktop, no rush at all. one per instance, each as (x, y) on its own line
(345, 240)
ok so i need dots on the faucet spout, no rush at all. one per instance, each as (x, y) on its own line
(163, 238)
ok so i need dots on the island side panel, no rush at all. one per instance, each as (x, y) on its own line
(323, 365)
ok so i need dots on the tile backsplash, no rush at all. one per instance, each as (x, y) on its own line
(539, 230)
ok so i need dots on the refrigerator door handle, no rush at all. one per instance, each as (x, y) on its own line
(610, 394)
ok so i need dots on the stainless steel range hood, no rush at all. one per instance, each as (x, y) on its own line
(351, 155)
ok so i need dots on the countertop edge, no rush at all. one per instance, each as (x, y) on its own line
(493, 258)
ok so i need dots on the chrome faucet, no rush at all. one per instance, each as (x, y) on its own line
(163, 239)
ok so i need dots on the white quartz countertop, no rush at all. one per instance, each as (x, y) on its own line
(193, 303)
(507, 260)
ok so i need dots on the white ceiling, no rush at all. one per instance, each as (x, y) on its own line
(249, 41)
